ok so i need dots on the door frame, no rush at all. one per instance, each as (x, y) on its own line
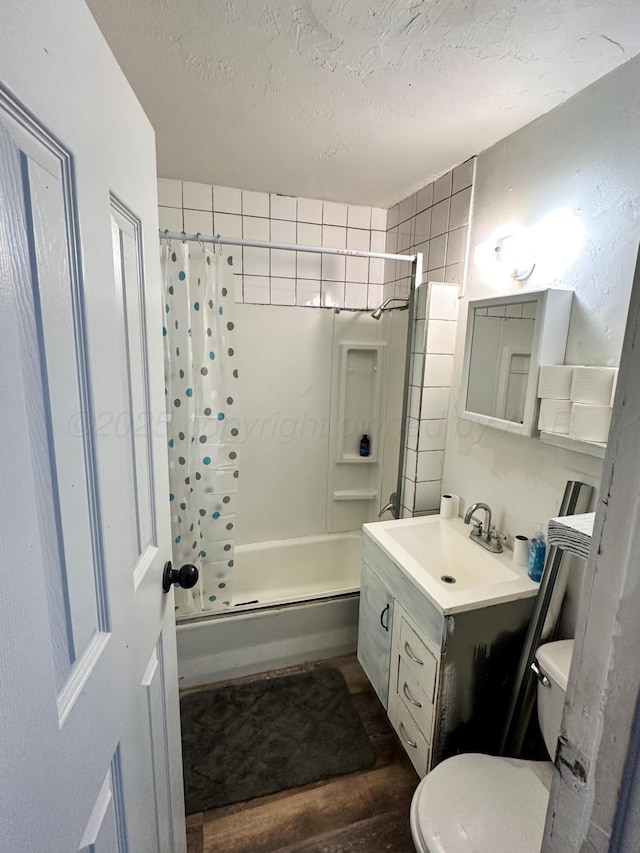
(595, 795)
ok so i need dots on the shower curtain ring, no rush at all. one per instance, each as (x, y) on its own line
(219, 242)
(184, 236)
(167, 238)
(200, 243)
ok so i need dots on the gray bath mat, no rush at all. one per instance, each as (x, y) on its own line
(247, 740)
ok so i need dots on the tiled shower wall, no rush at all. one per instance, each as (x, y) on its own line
(282, 277)
(433, 344)
(434, 221)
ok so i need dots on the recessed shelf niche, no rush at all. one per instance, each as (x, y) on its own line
(359, 401)
(359, 372)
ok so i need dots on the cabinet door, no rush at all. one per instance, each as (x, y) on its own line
(374, 631)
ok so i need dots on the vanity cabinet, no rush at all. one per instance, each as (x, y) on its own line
(374, 631)
(444, 678)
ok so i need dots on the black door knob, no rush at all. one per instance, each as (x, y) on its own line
(186, 576)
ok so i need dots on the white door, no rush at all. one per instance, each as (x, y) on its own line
(89, 727)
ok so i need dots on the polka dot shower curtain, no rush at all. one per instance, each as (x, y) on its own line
(201, 381)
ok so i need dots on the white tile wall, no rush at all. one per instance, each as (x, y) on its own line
(332, 294)
(169, 193)
(430, 465)
(463, 176)
(433, 339)
(442, 187)
(441, 337)
(443, 303)
(437, 252)
(459, 210)
(356, 295)
(375, 295)
(434, 221)
(438, 370)
(281, 277)
(170, 218)
(456, 245)
(432, 435)
(227, 199)
(308, 265)
(197, 196)
(198, 220)
(309, 210)
(283, 207)
(308, 292)
(435, 403)
(334, 213)
(427, 496)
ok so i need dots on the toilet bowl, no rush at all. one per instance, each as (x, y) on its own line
(478, 803)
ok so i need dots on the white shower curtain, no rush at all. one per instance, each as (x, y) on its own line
(203, 434)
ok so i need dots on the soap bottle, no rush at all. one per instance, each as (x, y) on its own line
(537, 554)
(365, 445)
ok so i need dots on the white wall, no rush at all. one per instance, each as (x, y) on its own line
(284, 362)
(285, 357)
(585, 156)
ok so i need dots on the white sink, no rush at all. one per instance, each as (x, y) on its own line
(454, 572)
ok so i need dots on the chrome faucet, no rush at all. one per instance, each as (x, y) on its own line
(482, 532)
(390, 506)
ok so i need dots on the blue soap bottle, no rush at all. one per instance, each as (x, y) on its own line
(365, 445)
(537, 553)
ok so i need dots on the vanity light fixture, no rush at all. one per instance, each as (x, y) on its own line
(550, 246)
(516, 253)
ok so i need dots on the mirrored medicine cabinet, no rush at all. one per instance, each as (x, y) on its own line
(508, 338)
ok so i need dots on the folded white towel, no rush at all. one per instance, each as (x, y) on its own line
(572, 533)
(589, 423)
(593, 385)
(555, 416)
(554, 381)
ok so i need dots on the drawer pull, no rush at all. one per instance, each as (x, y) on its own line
(387, 609)
(412, 743)
(407, 693)
(411, 654)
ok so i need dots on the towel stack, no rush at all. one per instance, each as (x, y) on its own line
(572, 533)
(576, 401)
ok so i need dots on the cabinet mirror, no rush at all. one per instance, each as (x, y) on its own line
(507, 340)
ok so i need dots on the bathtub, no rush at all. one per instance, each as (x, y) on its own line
(294, 600)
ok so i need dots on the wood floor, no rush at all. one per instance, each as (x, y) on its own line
(365, 812)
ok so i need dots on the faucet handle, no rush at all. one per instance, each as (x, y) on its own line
(477, 527)
(497, 538)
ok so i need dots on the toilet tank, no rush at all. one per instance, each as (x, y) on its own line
(554, 660)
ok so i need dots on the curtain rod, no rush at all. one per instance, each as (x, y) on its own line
(290, 247)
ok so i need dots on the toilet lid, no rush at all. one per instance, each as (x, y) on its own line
(478, 803)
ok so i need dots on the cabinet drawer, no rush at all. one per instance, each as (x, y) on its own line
(412, 739)
(415, 699)
(419, 661)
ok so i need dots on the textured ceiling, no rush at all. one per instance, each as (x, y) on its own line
(348, 99)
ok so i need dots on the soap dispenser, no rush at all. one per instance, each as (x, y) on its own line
(537, 554)
(365, 445)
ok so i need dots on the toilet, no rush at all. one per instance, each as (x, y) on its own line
(478, 803)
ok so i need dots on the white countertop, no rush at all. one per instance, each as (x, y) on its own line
(429, 547)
